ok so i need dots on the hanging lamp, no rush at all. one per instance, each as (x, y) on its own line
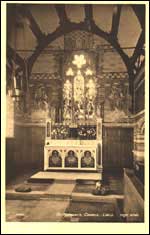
(17, 86)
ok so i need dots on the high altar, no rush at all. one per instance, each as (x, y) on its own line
(74, 142)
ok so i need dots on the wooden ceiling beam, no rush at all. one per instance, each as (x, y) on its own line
(25, 12)
(78, 26)
(88, 15)
(13, 55)
(109, 38)
(88, 12)
(82, 26)
(61, 12)
(115, 20)
(60, 31)
(139, 10)
(139, 47)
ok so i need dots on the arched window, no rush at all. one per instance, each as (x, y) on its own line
(79, 91)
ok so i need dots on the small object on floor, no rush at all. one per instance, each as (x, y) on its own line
(101, 189)
(104, 190)
(96, 192)
(23, 189)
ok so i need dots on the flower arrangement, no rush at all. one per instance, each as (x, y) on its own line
(60, 132)
(87, 132)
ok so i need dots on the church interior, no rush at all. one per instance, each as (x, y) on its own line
(75, 101)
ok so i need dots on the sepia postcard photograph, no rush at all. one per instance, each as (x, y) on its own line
(74, 116)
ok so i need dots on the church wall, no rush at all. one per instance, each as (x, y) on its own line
(139, 91)
(10, 140)
(45, 96)
(29, 146)
(111, 74)
(25, 149)
(139, 120)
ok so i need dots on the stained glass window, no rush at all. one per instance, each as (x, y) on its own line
(67, 91)
(79, 91)
(78, 96)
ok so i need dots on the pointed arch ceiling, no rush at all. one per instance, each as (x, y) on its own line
(120, 26)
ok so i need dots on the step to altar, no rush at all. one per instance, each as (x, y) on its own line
(61, 192)
(67, 177)
(54, 191)
(89, 197)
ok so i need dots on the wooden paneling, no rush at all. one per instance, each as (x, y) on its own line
(139, 102)
(117, 147)
(26, 150)
(9, 158)
(133, 197)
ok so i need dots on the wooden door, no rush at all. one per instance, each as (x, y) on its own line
(117, 147)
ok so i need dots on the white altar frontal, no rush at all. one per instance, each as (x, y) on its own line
(73, 147)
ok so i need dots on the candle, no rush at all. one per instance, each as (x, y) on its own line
(15, 82)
